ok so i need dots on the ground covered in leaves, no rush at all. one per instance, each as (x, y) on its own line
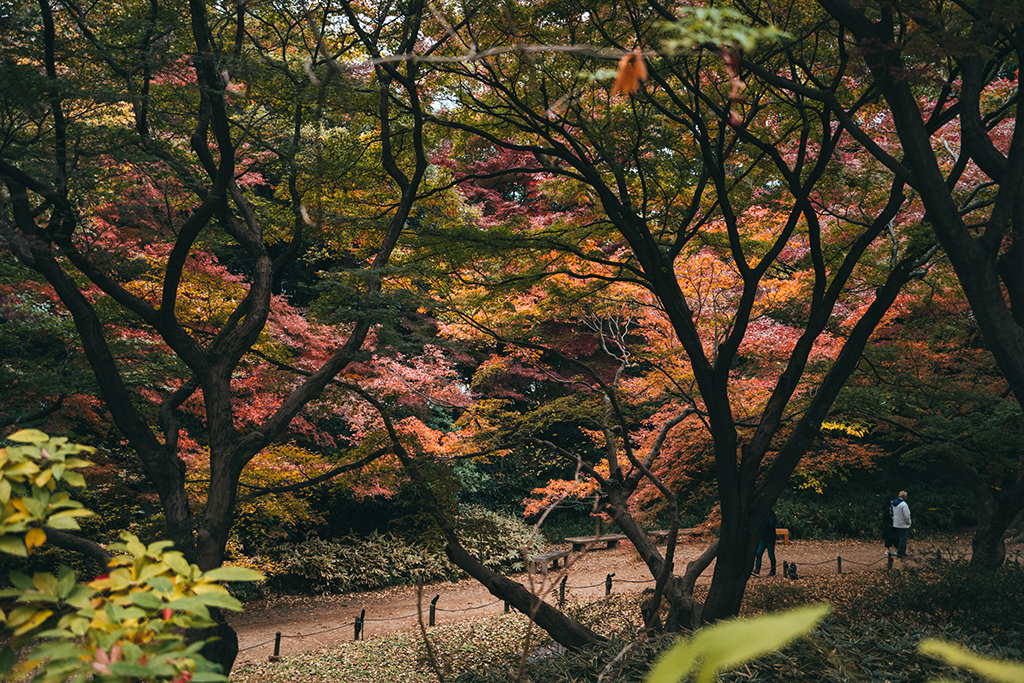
(878, 618)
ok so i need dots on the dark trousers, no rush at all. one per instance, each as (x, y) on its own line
(761, 547)
(901, 546)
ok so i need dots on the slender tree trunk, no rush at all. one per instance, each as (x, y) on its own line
(561, 628)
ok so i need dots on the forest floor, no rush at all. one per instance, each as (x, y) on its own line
(308, 623)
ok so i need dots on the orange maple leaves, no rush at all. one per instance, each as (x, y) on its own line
(630, 73)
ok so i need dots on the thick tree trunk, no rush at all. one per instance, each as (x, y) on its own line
(561, 628)
(988, 547)
(736, 548)
(999, 504)
(222, 645)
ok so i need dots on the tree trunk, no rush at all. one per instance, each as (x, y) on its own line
(732, 567)
(988, 549)
(998, 507)
(561, 628)
(222, 647)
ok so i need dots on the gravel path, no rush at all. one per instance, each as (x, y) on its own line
(312, 623)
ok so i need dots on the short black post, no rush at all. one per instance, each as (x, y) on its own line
(839, 563)
(889, 557)
(433, 608)
(506, 607)
(561, 591)
(608, 584)
(785, 568)
(359, 625)
(277, 644)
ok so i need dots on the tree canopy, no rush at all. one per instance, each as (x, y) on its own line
(261, 246)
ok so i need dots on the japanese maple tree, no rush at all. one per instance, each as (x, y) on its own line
(166, 165)
(713, 191)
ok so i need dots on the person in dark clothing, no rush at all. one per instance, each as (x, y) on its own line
(766, 542)
(889, 534)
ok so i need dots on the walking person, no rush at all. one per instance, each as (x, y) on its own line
(766, 541)
(901, 523)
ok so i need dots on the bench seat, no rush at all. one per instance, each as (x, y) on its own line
(662, 534)
(549, 560)
(581, 542)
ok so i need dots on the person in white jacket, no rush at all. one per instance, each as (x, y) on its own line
(901, 522)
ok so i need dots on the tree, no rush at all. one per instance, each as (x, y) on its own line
(157, 168)
(688, 165)
(948, 75)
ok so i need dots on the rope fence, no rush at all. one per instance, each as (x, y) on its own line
(358, 624)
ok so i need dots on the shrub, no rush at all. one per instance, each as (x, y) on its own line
(850, 511)
(951, 591)
(497, 539)
(129, 623)
(354, 563)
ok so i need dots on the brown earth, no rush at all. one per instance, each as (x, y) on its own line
(310, 623)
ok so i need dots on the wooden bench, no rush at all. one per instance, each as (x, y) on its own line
(662, 534)
(785, 535)
(610, 540)
(549, 560)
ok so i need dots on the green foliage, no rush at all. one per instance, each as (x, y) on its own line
(728, 644)
(28, 481)
(717, 26)
(498, 540)
(951, 591)
(852, 508)
(355, 563)
(1000, 671)
(124, 625)
(351, 563)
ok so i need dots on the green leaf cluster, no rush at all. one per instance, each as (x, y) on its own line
(29, 475)
(717, 26)
(366, 563)
(128, 624)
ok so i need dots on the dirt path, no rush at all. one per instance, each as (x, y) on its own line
(312, 623)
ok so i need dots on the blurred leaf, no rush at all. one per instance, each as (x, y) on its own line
(1002, 671)
(730, 643)
(29, 436)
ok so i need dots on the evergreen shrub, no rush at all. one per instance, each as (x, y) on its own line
(355, 563)
(951, 591)
(848, 511)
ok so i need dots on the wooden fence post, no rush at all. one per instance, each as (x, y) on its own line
(433, 608)
(359, 625)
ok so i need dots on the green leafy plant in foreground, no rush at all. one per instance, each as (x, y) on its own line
(125, 625)
(728, 644)
(997, 670)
